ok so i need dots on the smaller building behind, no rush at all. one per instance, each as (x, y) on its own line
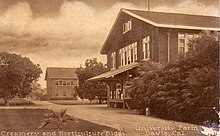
(61, 82)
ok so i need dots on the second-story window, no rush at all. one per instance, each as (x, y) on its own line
(128, 54)
(113, 56)
(127, 26)
(146, 47)
(122, 56)
(135, 51)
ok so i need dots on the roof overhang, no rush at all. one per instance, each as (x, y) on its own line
(114, 72)
(160, 25)
(103, 51)
(167, 25)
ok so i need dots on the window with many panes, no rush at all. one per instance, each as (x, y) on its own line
(146, 47)
(128, 54)
(64, 82)
(127, 26)
(183, 41)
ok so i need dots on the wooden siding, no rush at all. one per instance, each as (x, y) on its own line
(139, 30)
(173, 43)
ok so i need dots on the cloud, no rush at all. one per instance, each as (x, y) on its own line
(72, 36)
(190, 7)
(67, 39)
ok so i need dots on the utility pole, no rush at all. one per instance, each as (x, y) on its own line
(148, 4)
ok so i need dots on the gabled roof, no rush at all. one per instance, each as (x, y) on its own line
(114, 72)
(60, 73)
(176, 20)
(170, 20)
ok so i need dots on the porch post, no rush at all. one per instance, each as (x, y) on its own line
(124, 94)
(108, 94)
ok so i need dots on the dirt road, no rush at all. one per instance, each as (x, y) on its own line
(133, 124)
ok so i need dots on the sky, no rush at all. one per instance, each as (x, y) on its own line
(64, 33)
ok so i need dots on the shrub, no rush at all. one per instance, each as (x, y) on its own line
(60, 118)
(186, 90)
(45, 98)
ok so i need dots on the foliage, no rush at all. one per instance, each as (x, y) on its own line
(16, 75)
(91, 90)
(45, 97)
(186, 90)
(17, 102)
(37, 91)
(59, 117)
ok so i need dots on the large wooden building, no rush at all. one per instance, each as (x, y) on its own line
(61, 82)
(139, 35)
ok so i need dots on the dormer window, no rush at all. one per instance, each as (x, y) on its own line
(127, 26)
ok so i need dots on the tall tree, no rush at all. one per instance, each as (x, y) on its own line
(16, 76)
(91, 90)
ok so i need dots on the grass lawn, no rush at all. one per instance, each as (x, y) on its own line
(27, 120)
(16, 102)
(74, 102)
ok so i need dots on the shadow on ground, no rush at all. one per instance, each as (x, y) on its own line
(30, 119)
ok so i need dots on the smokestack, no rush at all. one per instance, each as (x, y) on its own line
(148, 5)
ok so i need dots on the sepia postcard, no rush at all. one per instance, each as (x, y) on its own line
(109, 67)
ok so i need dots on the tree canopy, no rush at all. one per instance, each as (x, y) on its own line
(186, 90)
(91, 90)
(16, 75)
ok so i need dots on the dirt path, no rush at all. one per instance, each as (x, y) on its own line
(133, 124)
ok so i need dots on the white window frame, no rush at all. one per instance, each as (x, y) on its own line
(68, 82)
(127, 52)
(146, 48)
(182, 36)
(135, 52)
(127, 26)
(113, 56)
(60, 82)
(56, 82)
(186, 37)
(121, 53)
